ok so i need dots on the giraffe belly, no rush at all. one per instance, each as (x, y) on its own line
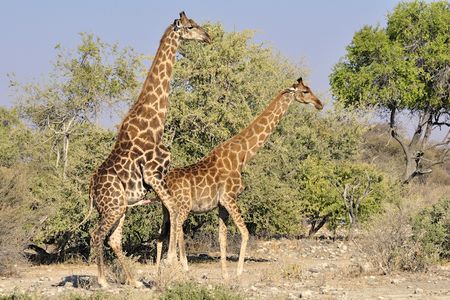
(135, 196)
(205, 203)
(135, 191)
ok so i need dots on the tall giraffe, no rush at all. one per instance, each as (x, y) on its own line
(215, 181)
(139, 160)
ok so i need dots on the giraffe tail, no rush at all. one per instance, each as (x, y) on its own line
(91, 207)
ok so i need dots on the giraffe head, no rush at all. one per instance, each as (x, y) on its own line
(303, 94)
(189, 30)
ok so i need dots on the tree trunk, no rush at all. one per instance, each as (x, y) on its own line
(316, 226)
(58, 157)
(410, 168)
(65, 154)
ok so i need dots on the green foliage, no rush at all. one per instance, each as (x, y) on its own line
(14, 137)
(431, 228)
(192, 291)
(404, 65)
(322, 184)
(67, 200)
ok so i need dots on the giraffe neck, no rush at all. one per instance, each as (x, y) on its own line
(153, 98)
(252, 137)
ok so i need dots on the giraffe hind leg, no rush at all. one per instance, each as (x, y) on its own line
(98, 238)
(115, 241)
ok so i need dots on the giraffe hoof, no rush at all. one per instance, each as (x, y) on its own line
(137, 284)
(225, 276)
(103, 283)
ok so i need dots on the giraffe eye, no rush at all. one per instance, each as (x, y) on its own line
(305, 92)
(190, 27)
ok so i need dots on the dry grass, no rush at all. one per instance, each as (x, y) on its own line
(170, 275)
(292, 272)
(388, 239)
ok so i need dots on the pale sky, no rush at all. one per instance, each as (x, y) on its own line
(316, 32)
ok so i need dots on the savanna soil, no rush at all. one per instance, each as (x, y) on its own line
(275, 269)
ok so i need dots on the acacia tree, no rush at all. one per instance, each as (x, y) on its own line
(403, 67)
(82, 81)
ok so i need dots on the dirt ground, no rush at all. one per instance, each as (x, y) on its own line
(276, 269)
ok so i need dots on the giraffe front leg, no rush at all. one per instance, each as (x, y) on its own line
(154, 171)
(181, 218)
(231, 206)
(163, 233)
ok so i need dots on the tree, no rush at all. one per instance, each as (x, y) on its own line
(403, 67)
(83, 81)
(340, 192)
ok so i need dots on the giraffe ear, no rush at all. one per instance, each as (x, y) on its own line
(177, 24)
(300, 80)
(290, 90)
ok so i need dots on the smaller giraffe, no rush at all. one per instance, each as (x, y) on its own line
(215, 181)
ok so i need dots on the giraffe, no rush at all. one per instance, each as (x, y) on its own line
(215, 181)
(138, 160)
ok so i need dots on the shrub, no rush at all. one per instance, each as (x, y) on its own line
(409, 238)
(431, 228)
(192, 291)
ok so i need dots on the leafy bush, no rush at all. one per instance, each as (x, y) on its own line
(431, 228)
(192, 291)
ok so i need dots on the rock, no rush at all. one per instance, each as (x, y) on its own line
(366, 267)
(395, 281)
(253, 288)
(306, 294)
(418, 291)
(292, 296)
(313, 270)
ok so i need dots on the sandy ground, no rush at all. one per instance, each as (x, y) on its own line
(276, 269)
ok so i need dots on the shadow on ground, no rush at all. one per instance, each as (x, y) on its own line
(89, 282)
(203, 257)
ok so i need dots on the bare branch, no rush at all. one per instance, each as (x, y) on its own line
(394, 133)
(445, 141)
